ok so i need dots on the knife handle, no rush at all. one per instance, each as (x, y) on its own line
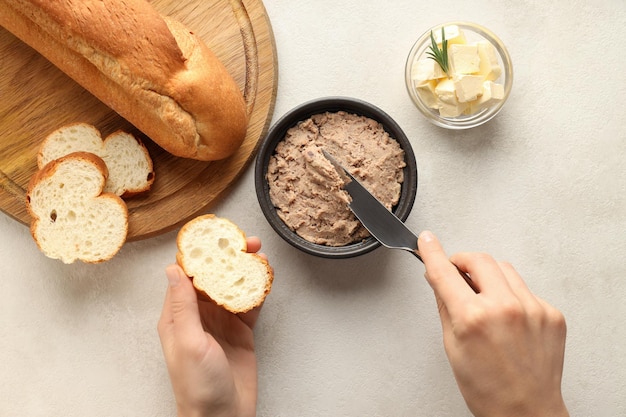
(461, 273)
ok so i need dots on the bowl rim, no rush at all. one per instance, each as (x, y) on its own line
(302, 112)
(479, 118)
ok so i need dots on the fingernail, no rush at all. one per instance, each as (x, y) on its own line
(427, 236)
(173, 277)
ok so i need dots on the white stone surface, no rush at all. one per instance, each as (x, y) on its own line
(543, 186)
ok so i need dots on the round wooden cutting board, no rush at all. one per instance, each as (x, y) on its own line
(36, 98)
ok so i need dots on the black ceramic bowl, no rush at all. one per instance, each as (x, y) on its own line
(277, 133)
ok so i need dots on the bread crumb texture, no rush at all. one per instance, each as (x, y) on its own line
(127, 159)
(212, 251)
(72, 218)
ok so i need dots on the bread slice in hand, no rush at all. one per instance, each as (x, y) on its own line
(71, 217)
(212, 251)
(127, 159)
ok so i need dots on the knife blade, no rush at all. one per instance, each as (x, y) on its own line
(382, 224)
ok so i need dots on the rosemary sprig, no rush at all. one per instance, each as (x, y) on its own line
(440, 56)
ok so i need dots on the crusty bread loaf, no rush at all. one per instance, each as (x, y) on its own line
(212, 250)
(71, 217)
(150, 69)
(127, 159)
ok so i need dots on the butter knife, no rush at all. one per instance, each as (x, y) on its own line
(382, 224)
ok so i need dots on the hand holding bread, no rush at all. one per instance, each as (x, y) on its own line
(209, 351)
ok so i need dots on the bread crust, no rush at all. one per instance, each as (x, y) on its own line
(49, 170)
(181, 259)
(43, 154)
(150, 69)
(151, 176)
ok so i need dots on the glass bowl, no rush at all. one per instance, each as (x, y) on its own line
(436, 100)
(302, 112)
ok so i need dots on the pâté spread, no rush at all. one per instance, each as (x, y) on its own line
(307, 191)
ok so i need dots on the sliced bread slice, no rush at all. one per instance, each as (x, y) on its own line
(72, 219)
(212, 250)
(128, 161)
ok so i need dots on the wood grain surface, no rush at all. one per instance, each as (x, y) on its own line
(36, 98)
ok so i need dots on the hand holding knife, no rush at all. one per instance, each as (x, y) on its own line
(382, 224)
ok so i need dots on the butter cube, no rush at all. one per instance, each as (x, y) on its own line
(453, 34)
(449, 105)
(464, 58)
(489, 67)
(468, 87)
(426, 69)
(452, 110)
(446, 92)
(491, 92)
(426, 91)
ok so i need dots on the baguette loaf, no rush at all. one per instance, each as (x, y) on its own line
(127, 159)
(71, 217)
(150, 69)
(212, 251)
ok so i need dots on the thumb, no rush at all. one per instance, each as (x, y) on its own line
(435, 260)
(182, 305)
(437, 267)
(441, 274)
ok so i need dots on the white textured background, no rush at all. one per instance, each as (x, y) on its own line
(543, 185)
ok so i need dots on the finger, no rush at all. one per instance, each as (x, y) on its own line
(182, 306)
(518, 286)
(250, 318)
(447, 328)
(443, 312)
(442, 275)
(554, 318)
(484, 271)
(253, 244)
(165, 321)
(532, 305)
